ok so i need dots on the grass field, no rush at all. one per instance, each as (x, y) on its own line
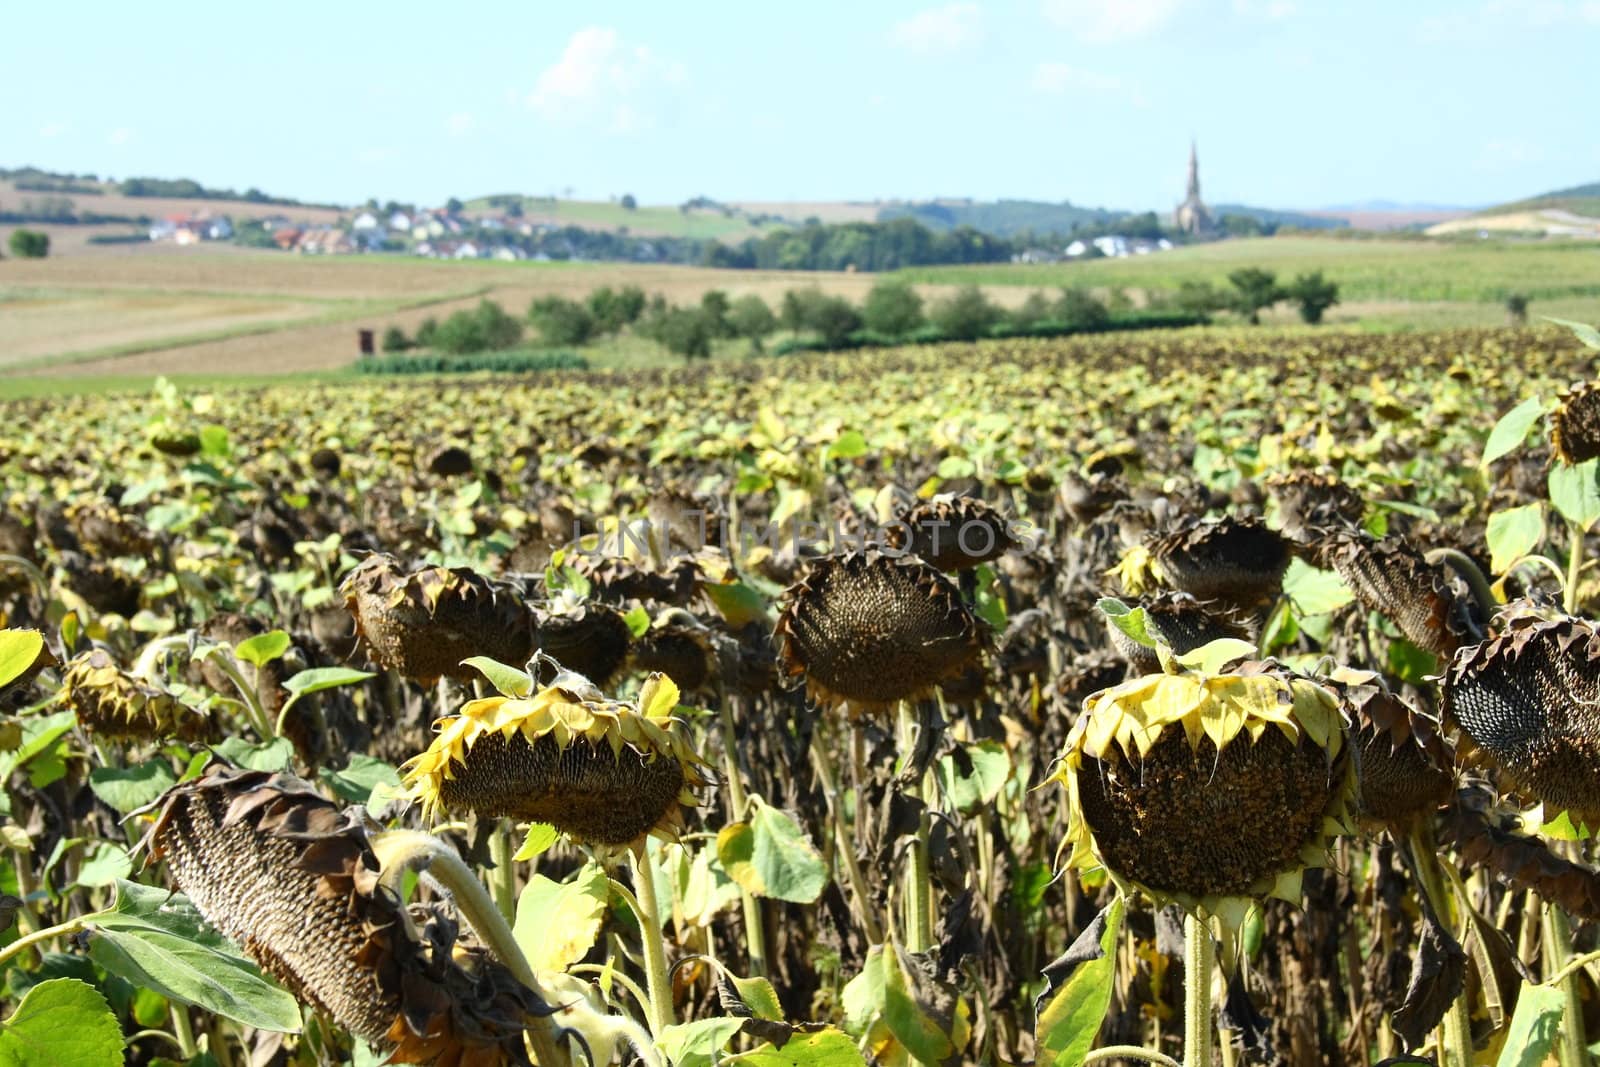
(1416, 271)
(225, 312)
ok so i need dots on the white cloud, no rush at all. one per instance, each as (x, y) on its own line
(1060, 77)
(120, 135)
(939, 29)
(1111, 20)
(460, 124)
(600, 75)
(53, 129)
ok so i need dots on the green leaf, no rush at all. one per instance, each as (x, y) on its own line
(158, 940)
(1070, 1022)
(509, 681)
(737, 602)
(1315, 591)
(360, 777)
(1575, 492)
(991, 766)
(828, 1047)
(903, 1013)
(1130, 621)
(638, 620)
(272, 755)
(1511, 430)
(759, 996)
(770, 856)
(262, 649)
(1513, 533)
(541, 835)
(1534, 1025)
(952, 467)
(1410, 663)
(850, 445)
(40, 734)
(317, 679)
(61, 1021)
(105, 864)
(127, 788)
(1581, 330)
(214, 442)
(698, 1044)
(18, 650)
(557, 922)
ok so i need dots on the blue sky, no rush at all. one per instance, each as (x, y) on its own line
(1295, 103)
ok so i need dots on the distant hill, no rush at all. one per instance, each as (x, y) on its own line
(1280, 218)
(1578, 199)
(1001, 218)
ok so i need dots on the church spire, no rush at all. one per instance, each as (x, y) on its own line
(1194, 172)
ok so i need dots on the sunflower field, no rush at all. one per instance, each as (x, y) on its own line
(1210, 697)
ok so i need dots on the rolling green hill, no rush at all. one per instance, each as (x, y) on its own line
(1578, 199)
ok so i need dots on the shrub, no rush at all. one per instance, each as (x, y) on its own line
(486, 328)
(893, 309)
(395, 340)
(561, 321)
(832, 318)
(1076, 307)
(612, 309)
(428, 332)
(686, 332)
(513, 362)
(966, 316)
(751, 318)
(1254, 289)
(1314, 294)
(1035, 309)
(29, 244)
(1517, 309)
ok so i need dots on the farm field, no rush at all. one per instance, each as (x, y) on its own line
(646, 220)
(912, 672)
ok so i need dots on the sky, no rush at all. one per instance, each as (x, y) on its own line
(1294, 103)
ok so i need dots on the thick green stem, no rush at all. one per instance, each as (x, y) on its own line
(504, 883)
(1129, 1052)
(755, 927)
(1558, 951)
(38, 936)
(1455, 1031)
(1569, 594)
(1463, 565)
(183, 1030)
(655, 944)
(402, 850)
(918, 890)
(223, 659)
(1199, 964)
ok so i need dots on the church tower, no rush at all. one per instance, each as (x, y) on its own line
(1192, 216)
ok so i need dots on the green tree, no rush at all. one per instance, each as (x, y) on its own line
(428, 333)
(893, 309)
(1254, 289)
(832, 318)
(1080, 310)
(486, 328)
(751, 318)
(685, 332)
(29, 244)
(395, 340)
(716, 305)
(561, 321)
(629, 203)
(453, 206)
(1517, 309)
(795, 312)
(1199, 298)
(1314, 294)
(965, 316)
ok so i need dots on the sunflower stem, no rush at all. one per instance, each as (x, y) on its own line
(65, 929)
(1558, 951)
(402, 850)
(919, 892)
(1455, 1030)
(1569, 592)
(183, 1030)
(36, 577)
(755, 930)
(1130, 1052)
(504, 883)
(845, 845)
(1199, 964)
(655, 956)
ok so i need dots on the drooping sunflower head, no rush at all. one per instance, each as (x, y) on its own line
(1239, 562)
(1575, 426)
(1207, 790)
(1527, 704)
(869, 629)
(118, 706)
(584, 636)
(680, 647)
(1403, 763)
(1310, 505)
(423, 623)
(607, 774)
(282, 871)
(953, 533)
(1391, 577)
(1180, 620)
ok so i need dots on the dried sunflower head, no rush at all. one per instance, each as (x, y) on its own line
(1180, 620)
(279, 869)
(1402, 761)
(605, 773)
(1391, 577)
(1527, 703)
(1238, 562)
(1311, 505)
(954, 533)
(678, 646)
(584, 637)
(116, 705)
(1575, 426)
(422, 624)
(867, 630)
(1208, 791)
